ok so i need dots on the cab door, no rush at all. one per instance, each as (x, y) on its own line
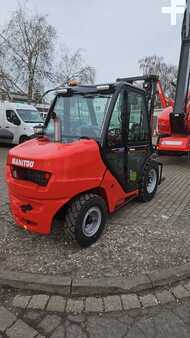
(114, 150)
(139, 145)
(6, 136)
(12, 124)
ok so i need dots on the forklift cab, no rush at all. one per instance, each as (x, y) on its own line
(117, 116)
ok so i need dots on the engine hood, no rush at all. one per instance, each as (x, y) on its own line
(56, 157)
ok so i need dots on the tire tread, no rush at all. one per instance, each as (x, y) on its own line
(73, 212)
(143, 194)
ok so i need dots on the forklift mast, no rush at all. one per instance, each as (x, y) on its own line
(179, 115)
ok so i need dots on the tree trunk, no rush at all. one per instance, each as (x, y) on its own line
(30, 82)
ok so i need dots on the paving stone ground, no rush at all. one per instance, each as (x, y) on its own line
(119, 316)
(138, 238)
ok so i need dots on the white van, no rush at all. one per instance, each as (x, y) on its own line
(17, 121)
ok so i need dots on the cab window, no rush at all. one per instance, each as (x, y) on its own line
(114, 134)
(138, 118)
(12, 117)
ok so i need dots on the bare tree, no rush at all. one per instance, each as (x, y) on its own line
(72, 66)
(26, 44)
(167, 72)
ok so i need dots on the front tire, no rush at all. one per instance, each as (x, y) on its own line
(23, 139)
(85, 219)
(149, 182)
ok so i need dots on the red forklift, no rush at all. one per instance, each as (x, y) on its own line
(94, 154)
(174, 121)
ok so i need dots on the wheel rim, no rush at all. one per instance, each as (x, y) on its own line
(92, 221)
(152, 180)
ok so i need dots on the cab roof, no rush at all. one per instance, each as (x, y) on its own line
(16, 105)
(98, 88)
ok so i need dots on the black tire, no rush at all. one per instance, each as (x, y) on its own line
(23, 139)
(75, 216)
(145, 193)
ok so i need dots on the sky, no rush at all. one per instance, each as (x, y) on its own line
(114, 34)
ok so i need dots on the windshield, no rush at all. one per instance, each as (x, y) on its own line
(30, 116)
(81, 115)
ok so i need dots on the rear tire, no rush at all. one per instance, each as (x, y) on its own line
(149, 182)
(85, 219)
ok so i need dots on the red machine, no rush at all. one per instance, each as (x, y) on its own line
(164, 100)
(174, 121)
(94, 155)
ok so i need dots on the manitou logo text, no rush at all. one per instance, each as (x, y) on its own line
(22, 163)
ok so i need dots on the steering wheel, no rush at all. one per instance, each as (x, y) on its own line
(114, 131)
(134, 132)
(114, 137)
